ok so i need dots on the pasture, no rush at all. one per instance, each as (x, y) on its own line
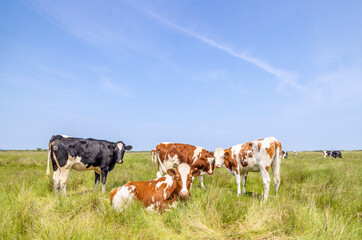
(318, 199)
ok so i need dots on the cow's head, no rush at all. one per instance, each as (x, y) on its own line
(210, 163)
(220, 156)
(120, 149)
(183, 176)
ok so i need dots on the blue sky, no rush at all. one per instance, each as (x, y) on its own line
(207, 73)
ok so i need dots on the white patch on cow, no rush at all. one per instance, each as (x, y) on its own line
(173, 205)
(123, 197)
(171, 161)
(76, 164)
(120, 146)
(184, 170)
(219, 156)
(159, 184)
(235, 150)
(65, 136)
(165, 143)
(168, 181)
(153, 199)
(196, 153)
(151, 208)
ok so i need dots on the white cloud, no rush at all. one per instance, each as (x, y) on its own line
(283, 76)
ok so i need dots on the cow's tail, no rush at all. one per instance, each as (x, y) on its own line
(278, 153)
(154, 155)
(164, 169)
(49, 153)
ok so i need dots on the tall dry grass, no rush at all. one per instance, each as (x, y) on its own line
(318, 199)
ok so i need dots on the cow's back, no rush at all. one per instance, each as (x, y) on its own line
(90, 151)
(183, 153)
(259, 152)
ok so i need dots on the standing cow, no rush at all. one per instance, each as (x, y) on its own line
(327, 153)
(256, 156)
(68, 153)
(168, 154)
(336, 154)
(284, 154)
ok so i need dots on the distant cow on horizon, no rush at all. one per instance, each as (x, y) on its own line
(284, 154)
(327, 153)
(336, 154)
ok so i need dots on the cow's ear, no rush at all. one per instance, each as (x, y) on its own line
(200, 165)
(171, 172)
(195, 173)
(128, 147)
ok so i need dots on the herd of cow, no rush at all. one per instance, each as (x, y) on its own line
(178, 165)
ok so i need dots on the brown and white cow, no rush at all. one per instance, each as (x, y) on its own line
(255, 156)
(168, 154)
(160, 194)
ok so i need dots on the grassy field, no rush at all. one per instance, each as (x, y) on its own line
(318, 199)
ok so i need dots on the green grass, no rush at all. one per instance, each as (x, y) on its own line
(318, 199)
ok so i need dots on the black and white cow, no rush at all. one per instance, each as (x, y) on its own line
(336, 154)
(327, 153)
(284, 154)
(68, 153)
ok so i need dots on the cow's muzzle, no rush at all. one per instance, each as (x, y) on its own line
(184, 194)
(120, 162)
(217, 165)
(210, 172)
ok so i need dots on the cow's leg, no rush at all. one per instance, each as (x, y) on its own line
(201, 179)
(276, 175)
(56, 180)
(104, 180)
(266, 180)
(243, 180)
(97, 179)
(237, 178)
(64, 174)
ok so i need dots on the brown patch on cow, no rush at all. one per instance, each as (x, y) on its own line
(230, 160)
(246, 151)
(161, 196)
(271, 149)
(185, 154)
(278, 145)
(112, 193)
(261, 139)
(259, 146)
(267, 168)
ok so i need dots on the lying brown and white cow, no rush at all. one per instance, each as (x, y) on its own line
(256, 156)
(160, 194)
(168, 154)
